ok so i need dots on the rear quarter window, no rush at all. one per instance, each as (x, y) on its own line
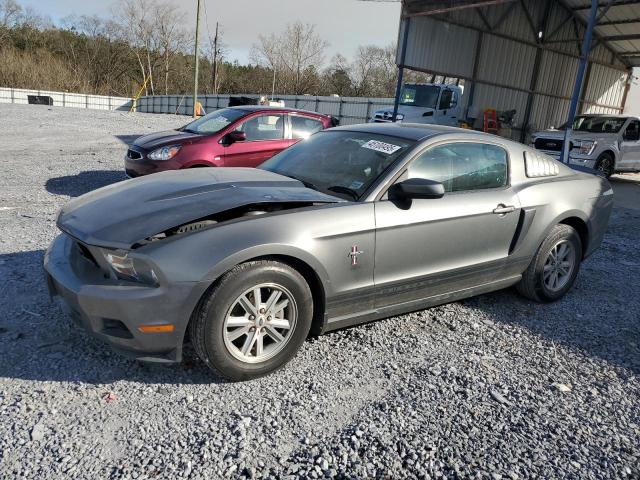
(304, 127)
(538, 165)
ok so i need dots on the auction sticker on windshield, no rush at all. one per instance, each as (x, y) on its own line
(383, 147)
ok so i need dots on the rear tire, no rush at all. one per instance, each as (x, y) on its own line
(605, 164)
(554, 267)
(253, 320)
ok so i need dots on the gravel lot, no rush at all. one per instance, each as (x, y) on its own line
(491, 387)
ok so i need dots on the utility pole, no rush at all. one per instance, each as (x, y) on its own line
(215, 62)
(273, 85)
(195, 55)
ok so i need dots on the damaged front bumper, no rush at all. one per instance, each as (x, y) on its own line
(114, 310)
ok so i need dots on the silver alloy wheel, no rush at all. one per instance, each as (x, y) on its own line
(559, 266)
(260, 323)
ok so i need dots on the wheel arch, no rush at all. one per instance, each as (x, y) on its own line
(316, 283)
(198, 164)
(611, 153)
(580, 226)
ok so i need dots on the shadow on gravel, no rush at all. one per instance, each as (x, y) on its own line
(83, 182)
(39, 341)
(128, 139)
(604, 333)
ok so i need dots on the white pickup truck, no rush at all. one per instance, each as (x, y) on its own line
(609, 143)
(425, 103)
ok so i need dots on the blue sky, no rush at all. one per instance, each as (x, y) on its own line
(344, 23)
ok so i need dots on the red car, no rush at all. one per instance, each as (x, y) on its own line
(243, 136)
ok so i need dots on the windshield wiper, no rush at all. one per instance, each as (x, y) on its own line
(347, 190)
(304, 182)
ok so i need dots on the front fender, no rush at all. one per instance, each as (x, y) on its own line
(257, 251)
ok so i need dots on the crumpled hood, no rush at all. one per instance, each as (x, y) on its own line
(168, 137)
(122, 214)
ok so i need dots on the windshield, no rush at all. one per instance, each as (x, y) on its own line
(420, 95)
(339, 163)
(215, 121)
(598, 124)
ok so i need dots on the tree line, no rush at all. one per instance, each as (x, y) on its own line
(145, 42)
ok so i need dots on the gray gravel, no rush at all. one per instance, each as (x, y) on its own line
(491, 387)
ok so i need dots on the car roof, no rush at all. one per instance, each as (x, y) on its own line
(408, 131)
(267, 108)
(607, 115)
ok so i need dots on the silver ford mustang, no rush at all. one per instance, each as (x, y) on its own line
(353, 224)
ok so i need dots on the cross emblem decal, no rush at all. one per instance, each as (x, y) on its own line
(353, 254)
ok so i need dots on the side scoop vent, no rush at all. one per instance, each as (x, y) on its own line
(192, 227)
(540, 165)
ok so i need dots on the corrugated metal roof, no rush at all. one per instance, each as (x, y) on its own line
(446, 44)
(621, 18)
(508, 13)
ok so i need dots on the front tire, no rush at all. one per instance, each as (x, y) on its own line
(605, 164)
(253, 320)
(554, 268)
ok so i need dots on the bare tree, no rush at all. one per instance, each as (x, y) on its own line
(296, 54)
(374, 70)
(10, 13)
(171, 38)
(138, 31)
(337, 76)
(216, 51)
(154, 29)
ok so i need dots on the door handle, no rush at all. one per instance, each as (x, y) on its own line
(502, 209)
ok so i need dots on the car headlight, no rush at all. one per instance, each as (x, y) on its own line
(585, 147)
(399, 117)
(164, 153)
(129, 268)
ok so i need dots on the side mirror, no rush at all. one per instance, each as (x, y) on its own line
(236, 136)
(416, 188)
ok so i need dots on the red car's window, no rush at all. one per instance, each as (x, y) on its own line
(304, 127)
(263, 127)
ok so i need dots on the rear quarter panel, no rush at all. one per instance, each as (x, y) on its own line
(571, 194)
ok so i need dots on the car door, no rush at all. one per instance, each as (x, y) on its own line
(446, 114)
(461, 240)
(265, 136)
(630, 147)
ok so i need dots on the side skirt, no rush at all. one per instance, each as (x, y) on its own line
(415, 305)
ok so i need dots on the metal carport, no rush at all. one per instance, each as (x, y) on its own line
(525, 54)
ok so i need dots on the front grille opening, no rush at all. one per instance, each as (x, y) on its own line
(550, 145)
(133, 155)
(115, 328)
(87, 255)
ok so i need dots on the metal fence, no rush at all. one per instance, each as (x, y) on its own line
(65, 99)
(348, 110)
